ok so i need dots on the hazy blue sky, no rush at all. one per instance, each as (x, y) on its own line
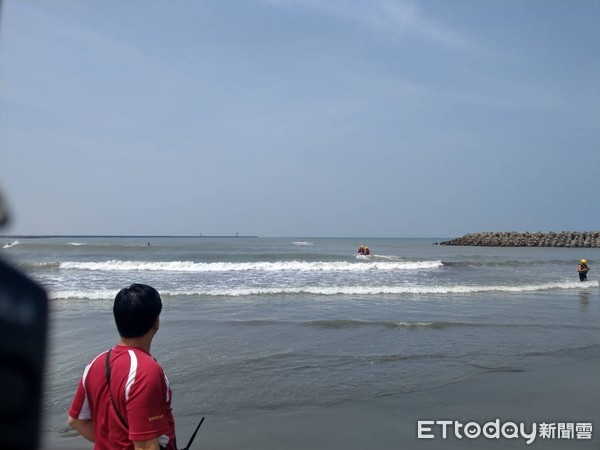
(300, 117)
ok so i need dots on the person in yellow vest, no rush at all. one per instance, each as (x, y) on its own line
(583, 269)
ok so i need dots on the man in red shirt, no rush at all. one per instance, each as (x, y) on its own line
(123, 401)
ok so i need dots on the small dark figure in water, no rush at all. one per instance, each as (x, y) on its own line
(583, 269)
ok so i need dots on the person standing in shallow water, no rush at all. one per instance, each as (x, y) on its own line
(123, 401)
(583, 269)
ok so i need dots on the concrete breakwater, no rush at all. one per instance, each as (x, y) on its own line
(575, 239)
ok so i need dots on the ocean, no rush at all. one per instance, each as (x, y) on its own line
(294, 343)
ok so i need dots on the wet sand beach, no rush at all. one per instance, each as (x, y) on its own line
(560, 390)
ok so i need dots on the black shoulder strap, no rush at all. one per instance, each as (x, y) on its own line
(107, 370)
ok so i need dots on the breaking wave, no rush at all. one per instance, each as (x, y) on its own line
(333, 290)
(297, 266)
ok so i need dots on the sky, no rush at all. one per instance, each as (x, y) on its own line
(305, 118)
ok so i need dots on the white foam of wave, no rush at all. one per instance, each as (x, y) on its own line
(11, 244)
(298, 266)
(382, 290)
(336, 290)
(302, 243)
(84, 295)
(106, 244)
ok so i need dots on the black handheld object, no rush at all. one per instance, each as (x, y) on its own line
(23, 327)
(187, 447)
(107, 374)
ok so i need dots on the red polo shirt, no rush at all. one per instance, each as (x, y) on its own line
(142, 395)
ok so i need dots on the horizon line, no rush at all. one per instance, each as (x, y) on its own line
(199, 236)
(123, 236)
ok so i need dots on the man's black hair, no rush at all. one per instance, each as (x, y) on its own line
(136, 309)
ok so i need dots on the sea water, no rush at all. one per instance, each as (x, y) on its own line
(256, 326)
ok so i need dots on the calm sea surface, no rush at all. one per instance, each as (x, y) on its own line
(277, 324)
